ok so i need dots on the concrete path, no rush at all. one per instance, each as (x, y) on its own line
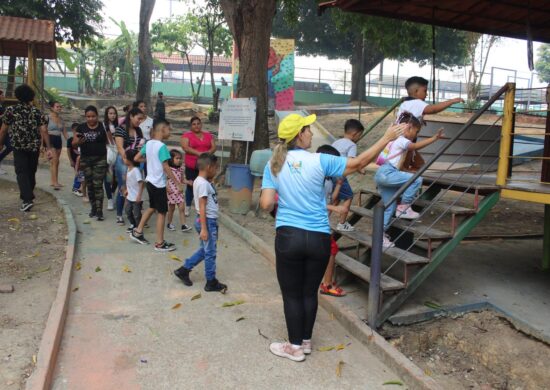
(127, 330)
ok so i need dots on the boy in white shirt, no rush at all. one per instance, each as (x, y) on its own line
(206, 224)
(417, 89)
(158, 169)
(134, 190)
(389, 177)
(347, 147)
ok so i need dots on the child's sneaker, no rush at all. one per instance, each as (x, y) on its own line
(164, 247)
(110, 205)
(345, 227)
(26, 206)
(119, 220)
(183, 274)
(214, 285)
(405, 211)
(170, 227)
(286, 350)
(138, 237)
(187, 211)
(332, 290)
(130, 229)
(99, 216)
(92, 213)
(78, 193)
(185, 228)
(306, 346)
(387, 242)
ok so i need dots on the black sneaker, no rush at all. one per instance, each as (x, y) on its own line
(119, 220)
(138, 237)
(183, 274)
(26, 206)
(170, 227)
(214, 285)
(92, 214)
(164, 247)
(130, 229)
(185, 228)
(99, 216)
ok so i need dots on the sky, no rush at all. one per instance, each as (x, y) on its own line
(507, 56)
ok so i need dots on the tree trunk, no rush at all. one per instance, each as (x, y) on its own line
(145, 57)
(11, 76)
(372, 57)
(250, 23)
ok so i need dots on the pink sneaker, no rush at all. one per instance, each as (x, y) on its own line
(405, 211)
(286, 350)
(306, 346)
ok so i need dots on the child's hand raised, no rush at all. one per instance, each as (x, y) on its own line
(395, 131)
(439, 134)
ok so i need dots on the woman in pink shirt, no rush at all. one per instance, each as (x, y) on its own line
(195, 143)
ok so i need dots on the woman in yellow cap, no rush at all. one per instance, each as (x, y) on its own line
(302, 242)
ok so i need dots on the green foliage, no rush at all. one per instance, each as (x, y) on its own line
(542, 66)
(52, 94)
(76, 21)
(334, 34)
(175, 35)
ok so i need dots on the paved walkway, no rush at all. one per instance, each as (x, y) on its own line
(124, 331)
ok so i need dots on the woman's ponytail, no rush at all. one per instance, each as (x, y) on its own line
(278, 158)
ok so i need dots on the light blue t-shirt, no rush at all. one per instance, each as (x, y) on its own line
(300, 185)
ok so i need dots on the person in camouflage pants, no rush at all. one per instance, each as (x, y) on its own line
(92, 139)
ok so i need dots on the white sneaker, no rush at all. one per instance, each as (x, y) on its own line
(405, 211)
(187, 212)
(286, 350)
(387, 242)
(110, 205)
(345, 227)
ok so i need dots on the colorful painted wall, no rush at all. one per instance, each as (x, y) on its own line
(280, 74)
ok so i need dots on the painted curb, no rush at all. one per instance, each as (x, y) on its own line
(46, 359)
(414, 377)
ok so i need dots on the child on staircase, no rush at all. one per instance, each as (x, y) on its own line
(389, 177)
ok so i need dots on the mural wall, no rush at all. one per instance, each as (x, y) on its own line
(280, 74)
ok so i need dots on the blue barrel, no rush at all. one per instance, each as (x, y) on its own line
(242, 185)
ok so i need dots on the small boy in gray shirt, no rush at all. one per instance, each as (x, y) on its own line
(206, 224)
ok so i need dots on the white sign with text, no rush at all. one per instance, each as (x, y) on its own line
(237, 119)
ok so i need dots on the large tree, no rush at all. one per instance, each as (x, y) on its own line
(337, 34)
(145, 57)
(76, 21)
(250, 23)
(542, 65)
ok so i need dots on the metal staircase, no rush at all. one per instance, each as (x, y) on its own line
(459, 189)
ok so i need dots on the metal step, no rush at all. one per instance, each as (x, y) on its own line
(436, 206)
(463, 182)
(408, 258)
(415, 227)
(363, 271)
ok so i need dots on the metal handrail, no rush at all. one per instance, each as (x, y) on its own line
(446, 146)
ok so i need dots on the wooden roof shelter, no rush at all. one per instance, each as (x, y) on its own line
(522, 19)
(31, 38)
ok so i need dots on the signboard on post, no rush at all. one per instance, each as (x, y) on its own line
(237, 119)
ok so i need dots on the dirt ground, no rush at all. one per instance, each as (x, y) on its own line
(475, 351)
(32, 251)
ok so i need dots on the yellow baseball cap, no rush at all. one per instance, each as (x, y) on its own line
(291, 125)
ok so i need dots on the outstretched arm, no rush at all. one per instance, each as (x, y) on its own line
(435, 108)
(428, 141)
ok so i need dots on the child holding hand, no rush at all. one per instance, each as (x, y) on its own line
(175, 196)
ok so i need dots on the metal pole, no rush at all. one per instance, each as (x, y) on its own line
(546, 239)
(361, 79)
(506, 135)
(319, 85)
(344, 81)
(375, 265)
(368, 87)
(381, 118)
(246, 156)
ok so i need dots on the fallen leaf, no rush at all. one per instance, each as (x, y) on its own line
(121, 238)
(33, 217)
(176, 258)
(34, 359)
(331, 316)
(46, 269)
(198, 296)
(263, 335)
(35, 254)
(14, 219)
(432, 305)
(126, 269)
(240, 319)
(339, 347)
(97, 269)
(396, 383)
(176, 306)
(185, 242)
(325, 349)
(86, 222)
(339, 367)
(78, 266)
(75, 289)
(234, 303)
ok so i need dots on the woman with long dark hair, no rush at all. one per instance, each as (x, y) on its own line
(127, 137)
(110, 121)
(92, 138)
(194, 143)
(302, 241)
(56, 128)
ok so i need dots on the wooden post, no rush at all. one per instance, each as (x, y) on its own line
(506, 134)
(545, 174)
(31, 70)
(546, 239)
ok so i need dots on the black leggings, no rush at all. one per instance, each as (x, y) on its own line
(302, 258)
